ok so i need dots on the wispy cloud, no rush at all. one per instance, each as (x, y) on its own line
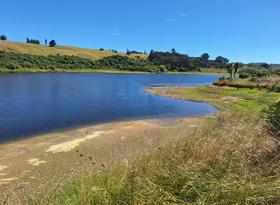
(183, 14)
(116, 34)
(170, 20)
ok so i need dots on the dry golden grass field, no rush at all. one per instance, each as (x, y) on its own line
(93, 54)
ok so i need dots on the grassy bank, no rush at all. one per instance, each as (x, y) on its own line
(228, 159)
(225, 98)
(28, 70)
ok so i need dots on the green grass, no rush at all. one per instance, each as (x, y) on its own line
(200, 73)
(233, 99)
(28, 70)
(31, 70)
(228, 159)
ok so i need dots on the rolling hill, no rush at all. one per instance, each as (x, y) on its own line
(34, 49)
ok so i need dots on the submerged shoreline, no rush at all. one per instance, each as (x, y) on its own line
(165, 120)
(44, 136)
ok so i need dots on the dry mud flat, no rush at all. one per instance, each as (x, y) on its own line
(40, 164)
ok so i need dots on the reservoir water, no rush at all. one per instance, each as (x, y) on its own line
(32, 104)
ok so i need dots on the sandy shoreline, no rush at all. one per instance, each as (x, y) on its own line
(35, 165)
(19, 145)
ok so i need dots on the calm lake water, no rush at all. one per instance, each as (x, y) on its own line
(32, 104)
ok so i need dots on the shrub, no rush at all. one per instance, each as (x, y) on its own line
(262, 73)
(259, 72)
(250, 71)
(3, 37)
(253, 79)
(13, 61)
(33, 41)
(52, 43)
(276, 71)
(272, 116)
(244, 75)
(12, 66)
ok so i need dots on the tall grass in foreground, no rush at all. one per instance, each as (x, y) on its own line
(272, 116)
(230, 160)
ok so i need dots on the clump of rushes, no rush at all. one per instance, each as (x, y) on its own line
(272, 116)
(229, 160)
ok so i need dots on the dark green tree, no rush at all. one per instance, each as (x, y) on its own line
(221, 59)
(52, 43)
(205, 57)
(33, 41)
(265, 65)
(3, 38)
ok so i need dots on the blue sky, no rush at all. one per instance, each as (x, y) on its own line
(242, 30)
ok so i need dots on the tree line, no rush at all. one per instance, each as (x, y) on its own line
(52, 43)
(174, 61)
(156, 62)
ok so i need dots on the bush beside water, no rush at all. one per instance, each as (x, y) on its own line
(258, 72)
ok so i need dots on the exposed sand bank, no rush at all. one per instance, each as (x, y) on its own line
(32, 166)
